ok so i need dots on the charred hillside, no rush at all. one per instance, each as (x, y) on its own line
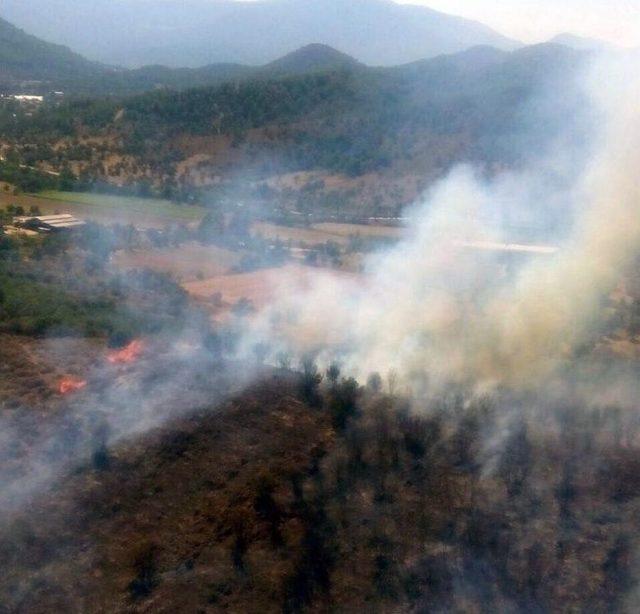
(281, 501)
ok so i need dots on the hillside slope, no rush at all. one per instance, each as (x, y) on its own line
(26, 57)
(388, 133)
(269, 505)
(31, 65)
(310, 58)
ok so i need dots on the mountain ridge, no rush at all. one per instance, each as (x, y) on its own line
(582, 43)
(23, 55)
(194, 33)
(31, 65)
(385, 133)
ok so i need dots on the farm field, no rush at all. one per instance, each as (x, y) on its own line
(321, 233)
(157, 213)
(309, 236)
(364, 230)
(259, 287)
(107, 208)
(151, 208)
(206, 271)
(187, 263)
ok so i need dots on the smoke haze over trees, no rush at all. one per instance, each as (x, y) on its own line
(413, 121)
(440, 414)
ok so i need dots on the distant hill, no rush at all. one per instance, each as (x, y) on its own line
(25, 57)
(311, 58)
(400, 127)
(199, 32)
(31, 65)
(581, 43)
(125, 82)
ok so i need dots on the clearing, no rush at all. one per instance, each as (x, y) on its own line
(321, 233)
(259, 287)
(187, 263)
(108, 208)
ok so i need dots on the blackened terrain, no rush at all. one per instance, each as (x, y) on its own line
(269, 504)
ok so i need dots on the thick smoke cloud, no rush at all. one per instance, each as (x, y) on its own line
(432, 305)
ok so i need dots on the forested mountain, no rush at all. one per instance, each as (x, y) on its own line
(199, 32)
(311, 58)
(411, 121)
(31, 65)
(26, 58)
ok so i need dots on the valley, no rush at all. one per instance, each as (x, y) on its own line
(316, 306)
(340, 144)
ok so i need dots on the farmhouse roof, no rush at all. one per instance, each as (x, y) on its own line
(64, 220)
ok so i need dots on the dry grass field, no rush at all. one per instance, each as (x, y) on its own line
(363, 230)
(321, 233)
(188, 263)
(309, 236)
(259, 287)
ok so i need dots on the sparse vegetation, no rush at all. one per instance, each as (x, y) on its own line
(403, 508)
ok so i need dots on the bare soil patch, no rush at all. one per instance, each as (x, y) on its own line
(308, 236)
(363, 230)
(188, 263)
(259, 287)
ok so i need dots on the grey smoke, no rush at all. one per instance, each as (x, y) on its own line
(428, 306)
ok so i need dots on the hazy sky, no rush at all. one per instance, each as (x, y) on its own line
(617, 21)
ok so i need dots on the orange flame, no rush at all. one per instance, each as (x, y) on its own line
(127, 354)
(70, 384)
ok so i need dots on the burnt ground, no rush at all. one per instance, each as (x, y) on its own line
(284, 498)
(46, 433)
(184, 498)
(30, 369)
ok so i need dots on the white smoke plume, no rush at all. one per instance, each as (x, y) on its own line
(431, 306)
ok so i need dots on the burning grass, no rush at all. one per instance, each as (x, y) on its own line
(128, 354)
(32, 370)
(69, 385)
